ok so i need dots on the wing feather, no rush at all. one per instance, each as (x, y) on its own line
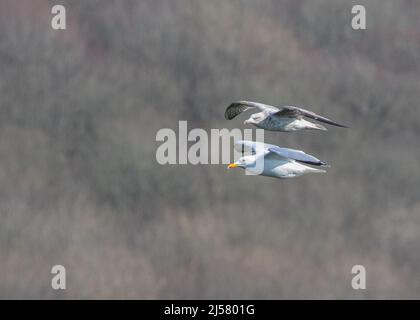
(295, 112)
(297, 155)
(238, 107)
(252, 147)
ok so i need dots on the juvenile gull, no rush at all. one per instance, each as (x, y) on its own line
(286, 119)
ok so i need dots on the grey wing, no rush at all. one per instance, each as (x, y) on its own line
(297, 155)
(295, 112)
(238, 107)
(252, 147)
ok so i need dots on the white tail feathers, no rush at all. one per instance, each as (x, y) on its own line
(317, 126)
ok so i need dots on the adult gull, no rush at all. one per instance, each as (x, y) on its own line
(273, 161)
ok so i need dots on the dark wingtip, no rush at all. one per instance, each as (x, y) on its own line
(314, 163)
(227, 116)
(332, 123)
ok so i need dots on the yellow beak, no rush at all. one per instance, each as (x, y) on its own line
(232, 165)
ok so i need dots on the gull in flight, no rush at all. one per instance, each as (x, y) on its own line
(286, 119)
(272, 161)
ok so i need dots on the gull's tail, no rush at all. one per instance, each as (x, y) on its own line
(317, 126)
(311, 126)
(314, 170)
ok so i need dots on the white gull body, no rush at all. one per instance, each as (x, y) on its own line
(273, 161)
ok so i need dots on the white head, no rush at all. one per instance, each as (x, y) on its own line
(254, 119)
(243, 162)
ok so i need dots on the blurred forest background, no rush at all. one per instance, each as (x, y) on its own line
(80, 185)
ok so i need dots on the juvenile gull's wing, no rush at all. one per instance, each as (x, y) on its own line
(238, 107)
(295, 112)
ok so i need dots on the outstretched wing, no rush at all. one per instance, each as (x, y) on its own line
(238, 107)
(251, 147)
(295, 112)
(297, 155)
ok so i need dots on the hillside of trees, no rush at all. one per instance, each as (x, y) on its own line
(79, 181)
